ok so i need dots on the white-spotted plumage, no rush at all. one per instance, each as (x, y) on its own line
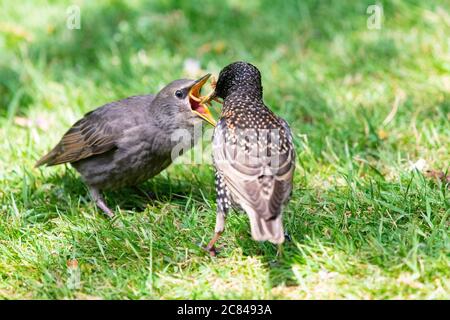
(253, 153)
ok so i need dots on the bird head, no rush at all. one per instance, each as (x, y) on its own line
(181, 100)
(237, 75)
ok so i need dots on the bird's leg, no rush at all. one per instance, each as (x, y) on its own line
(223, 204)
(99, 201)
(210, 247)
(218, 230)
(279, 251)
(279, 256)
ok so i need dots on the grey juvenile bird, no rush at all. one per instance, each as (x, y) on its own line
(129, 141)
(253, 155)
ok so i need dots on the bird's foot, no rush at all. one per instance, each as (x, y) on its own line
(211, 250)
(211, 245)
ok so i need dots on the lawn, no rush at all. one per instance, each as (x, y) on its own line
(369, 109)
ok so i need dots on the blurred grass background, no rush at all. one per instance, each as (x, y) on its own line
(364, 105)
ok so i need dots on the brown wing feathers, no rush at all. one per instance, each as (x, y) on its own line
(86, 138)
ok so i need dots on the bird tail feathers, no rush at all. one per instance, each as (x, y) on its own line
(270, 229)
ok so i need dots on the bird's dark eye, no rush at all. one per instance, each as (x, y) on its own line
(179, 94)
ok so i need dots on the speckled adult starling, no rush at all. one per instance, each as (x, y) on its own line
(253, 155)
(129, 141)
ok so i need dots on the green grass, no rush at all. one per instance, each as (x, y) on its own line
(363, 225)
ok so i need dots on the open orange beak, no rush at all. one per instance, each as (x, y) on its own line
(198, 105)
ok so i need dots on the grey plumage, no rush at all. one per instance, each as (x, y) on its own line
(253, 155)
(129, 141)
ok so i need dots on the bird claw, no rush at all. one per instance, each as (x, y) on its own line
(212, 251)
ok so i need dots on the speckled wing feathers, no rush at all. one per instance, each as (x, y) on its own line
(259, 186)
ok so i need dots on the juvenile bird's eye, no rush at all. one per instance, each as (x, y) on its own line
(179, 94)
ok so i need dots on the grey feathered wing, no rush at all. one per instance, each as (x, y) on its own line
(98, 131)
(260, 187)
